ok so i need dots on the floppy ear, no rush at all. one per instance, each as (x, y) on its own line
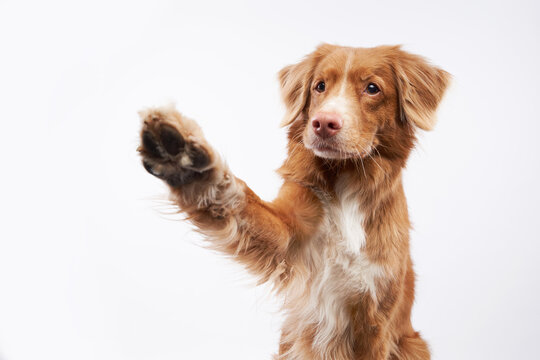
(295, 81)
(420, 89)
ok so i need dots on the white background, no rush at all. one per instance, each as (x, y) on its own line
(94, 265)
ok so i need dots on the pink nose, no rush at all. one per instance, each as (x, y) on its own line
(326, 125)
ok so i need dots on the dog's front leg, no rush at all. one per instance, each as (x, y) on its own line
(257, 233)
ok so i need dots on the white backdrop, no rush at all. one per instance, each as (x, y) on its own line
(93, 264)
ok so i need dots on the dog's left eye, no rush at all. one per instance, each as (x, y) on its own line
(372, 89)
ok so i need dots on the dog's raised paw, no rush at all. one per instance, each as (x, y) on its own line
(168, 154)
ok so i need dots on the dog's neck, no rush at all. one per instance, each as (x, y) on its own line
(374, 178)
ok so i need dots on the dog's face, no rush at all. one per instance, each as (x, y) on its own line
(345, 102)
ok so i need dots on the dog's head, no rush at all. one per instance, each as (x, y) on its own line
(344, 102)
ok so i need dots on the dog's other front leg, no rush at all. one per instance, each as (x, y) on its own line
(257, 233)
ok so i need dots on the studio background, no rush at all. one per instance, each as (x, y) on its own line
(95, 265)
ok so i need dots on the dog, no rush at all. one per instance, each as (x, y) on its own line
(335, 241)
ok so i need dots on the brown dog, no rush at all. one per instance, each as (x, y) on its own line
(335, 242)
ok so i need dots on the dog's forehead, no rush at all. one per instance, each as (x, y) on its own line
(360, 61)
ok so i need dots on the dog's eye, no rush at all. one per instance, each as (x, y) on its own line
(321, 86)
(372, 89)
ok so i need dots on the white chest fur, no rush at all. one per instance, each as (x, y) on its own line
(349, 222)
(336, 268)
(346, 239)
(343, 268)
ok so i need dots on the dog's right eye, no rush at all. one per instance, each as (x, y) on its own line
(321, 86)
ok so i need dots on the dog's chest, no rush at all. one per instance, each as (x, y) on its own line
(345, 226)
(338, 269)
(341, 268)
(345, 264)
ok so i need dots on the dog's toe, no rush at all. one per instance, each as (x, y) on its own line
(150, 167)
(150, 145)
(172, 140)
(199, 158)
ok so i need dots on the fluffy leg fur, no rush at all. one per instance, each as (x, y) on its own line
(258, 234)
(411, 348)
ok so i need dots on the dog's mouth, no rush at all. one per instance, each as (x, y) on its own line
(338, 147)
(333, 148)
(328, 150)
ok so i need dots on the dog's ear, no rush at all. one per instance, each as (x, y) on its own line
(295, 82)
(420, 88)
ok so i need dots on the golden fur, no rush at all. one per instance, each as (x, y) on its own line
(335, 241)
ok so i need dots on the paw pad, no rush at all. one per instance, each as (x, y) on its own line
(168, 155)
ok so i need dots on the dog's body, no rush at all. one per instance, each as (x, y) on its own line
(335, 242)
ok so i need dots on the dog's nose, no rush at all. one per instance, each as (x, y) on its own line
(326, 125)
